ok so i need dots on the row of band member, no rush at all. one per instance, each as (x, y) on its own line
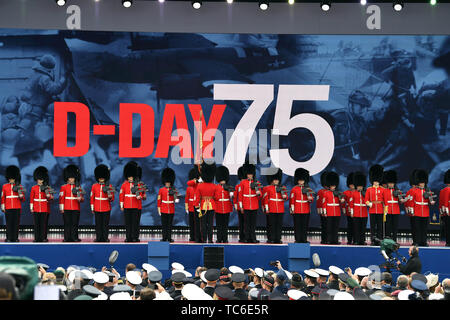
(205, 201)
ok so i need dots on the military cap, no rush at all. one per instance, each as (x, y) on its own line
(101, 296)
(432, 279)
(342, 295)
(343, 277)
(259, 272)
(177, 266)
(154, 276)
(120, 296)
(102, 171)
(72, 171)
(322, 272)
(249, 169)
(404, 294)
(420, 277)
(202, 276)
(222, 174)
(447, 177)
(78, 274)
(359, 179)
(376, 173)
(122, 288)
(277, 176)
(193, 173)
(168, 175)
(192, 292)
(178, 277)
(13, 172)
(332, 179)
(419, 285)
(352, 283)
(91, 291)
(234, 269)
(421, 176)
(294, 294)
(335, 270)
(323, 177)
(332, 292)
(350, 179)
(41, 173)
(238, 277)
(130, 170)
(362, 271)
(83, 297)
(390, 176)
(253, 294)
(301, 174)
(311, 273)
(208, 172)
(436, 296)
(133, 277)
(148, 267)
(101, 277)
(224, 292)
(43, 265)
(375, 296)
(212, 274)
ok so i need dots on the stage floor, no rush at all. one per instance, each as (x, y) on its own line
(183, 238)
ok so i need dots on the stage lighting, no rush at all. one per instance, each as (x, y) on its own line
(398, 5)
(161, 1)
(230, 1)
(127, 3)
(363, 2)
(196, 4)
(264, 5)
(325, 5)
(433, 2)
(60, 2)
(291, 2)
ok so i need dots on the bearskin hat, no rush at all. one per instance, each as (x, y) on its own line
(241, 173)
(222, 174)
(421, 176)
(412, 178)
(277, 176)
(350, 179)
(41, 173)
(102, 171)
(447, 177)
(168, 175)
(130, 170)
(13, 172)
(249, 169)
(72, 171)
(301, 174)
(139, 172)
(332, 179)
(359, 179)
(208, 172)
(376, 173)
(390, 176)
(193, 173)
(323, 178)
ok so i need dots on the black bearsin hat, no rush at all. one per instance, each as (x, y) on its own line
(376, 173)
(102, 171)
(41, 173)
(390, 176)
(323, 178)
(13, 172)
(222, 174)
(193, 173)
(359, 179)
(350, 179)
(277, 176)
(447, 177)
(241, 173)
(412, 178)
(421, 176)
(249, 169)
(168, 175)
(301, 174)
(208, 172)
(72, 171)
(332, 179)
(130, 170)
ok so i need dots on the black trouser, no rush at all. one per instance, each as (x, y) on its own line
(446, 221)
(166, 223)
(46, 225)
(71, 220)
(359, 230)
(102, 225)
(131, 224)
(241, 226)
(222, 220)
(376, 227)
(301, 223)
(197, 227)
(206, 226)
(412, 222)
(276, 225)
(39, 225)
(333, 229)
(268, 228)
(12, 217)
(191, 226)
(392, 226)
(323, 229)
(421, 225)
(350, 236)
(250, 225)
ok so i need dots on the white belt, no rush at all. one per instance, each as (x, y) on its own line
(421, 203)
(224, 199)
(40, 200)
(8, 197)
(249, 195)
(191, 200)
(392, 201)
(359, 204)
(333, 204)
(71, 198)
(130, 195)
(301, 201)
(101, 198)
(163, 201)
(271, 199)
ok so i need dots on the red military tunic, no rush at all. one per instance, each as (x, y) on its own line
(39, 201)
(444, 201)
(421, 208)
(99, 199)
(204, 196)
(357, 205)
(67, 200)
(189, 199)
(143, 197)
(319, 202)
(345, 206)
(222, 200)
(166, 202)
(299, 202)
(236, 197)
(409, 207)
(273, 200)
(10, 198)
(331, 204)
(128, 199)
(391, 202)
(375, 197)
(248, 199)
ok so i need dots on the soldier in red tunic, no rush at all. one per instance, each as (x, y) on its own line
(444, 207)
(300, 201)
(392, 198)
(358, 209)
(266, 212)
(249, 197)
(12, 196)
(223, 205)
(321, 211)
(167, 196)
(375, 201)
(189, 202)
(204, 202)
(240, 214)
(130, 199)
(40, 197)
(409, 208)
(345, 208)
(331, 204)
(102, 194)
(275, 195)
(70, 196)
(142, 188)
(422, 197)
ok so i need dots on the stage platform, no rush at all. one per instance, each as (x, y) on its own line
(294, 257)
